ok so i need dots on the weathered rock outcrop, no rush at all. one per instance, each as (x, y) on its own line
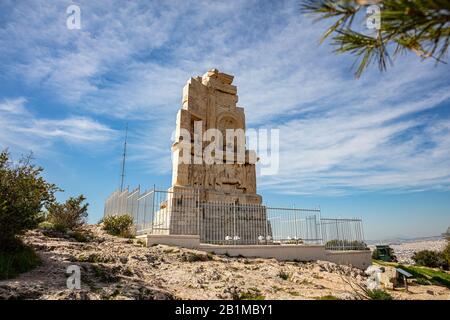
(117, 268)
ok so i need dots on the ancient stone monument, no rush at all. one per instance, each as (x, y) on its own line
(205, 198)
(209, 102)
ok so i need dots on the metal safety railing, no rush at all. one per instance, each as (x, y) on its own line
(182, 213)
(343, 234)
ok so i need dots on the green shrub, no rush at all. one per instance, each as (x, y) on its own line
(69, 215)
(51, 230)
(251, 294)
(284, 275)
(55, 231)
(431, 259)
(118, 225)
(378, 294)
(21, 260)
(140, 243)
(328, 297)
(345, 244)
(193, 257)
(23, 195)
(94, 258)
(46, 225)
(446, 252)
(80, 236)
(423, 281)
(105, 274)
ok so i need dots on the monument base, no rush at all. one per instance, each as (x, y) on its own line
(219, 218)
(361, 259)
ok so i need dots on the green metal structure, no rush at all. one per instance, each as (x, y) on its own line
(384, 253)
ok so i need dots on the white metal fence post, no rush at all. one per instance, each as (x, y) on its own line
(198, 214)
(234, 222)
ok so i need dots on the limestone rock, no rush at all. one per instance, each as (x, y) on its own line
(211, 102)
(159, 272)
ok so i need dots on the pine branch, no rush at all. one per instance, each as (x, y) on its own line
(367, 49)
(344, 11)
(419, 26)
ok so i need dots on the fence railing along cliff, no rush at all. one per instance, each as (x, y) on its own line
(165, 212)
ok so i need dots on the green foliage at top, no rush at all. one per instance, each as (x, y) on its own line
(118, 225)
(23, 195)
(69, 215)
(432, 259)
(419, 26)
(24, 198)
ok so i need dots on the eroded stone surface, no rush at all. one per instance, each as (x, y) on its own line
(210, 102)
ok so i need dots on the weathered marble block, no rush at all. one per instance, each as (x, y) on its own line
(196, 186)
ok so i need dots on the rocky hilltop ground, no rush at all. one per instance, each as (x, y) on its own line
(117, 268)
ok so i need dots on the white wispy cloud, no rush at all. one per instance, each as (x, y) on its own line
(25, 131)
(388, 148)
(130, 61)
(13, 106)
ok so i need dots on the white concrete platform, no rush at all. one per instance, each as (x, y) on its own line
(358, 258)
(185, 241)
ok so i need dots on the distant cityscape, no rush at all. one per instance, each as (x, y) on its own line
(399, 240)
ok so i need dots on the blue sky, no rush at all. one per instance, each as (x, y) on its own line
(376, 148)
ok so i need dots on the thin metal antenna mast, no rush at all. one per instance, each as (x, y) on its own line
(122, 176)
